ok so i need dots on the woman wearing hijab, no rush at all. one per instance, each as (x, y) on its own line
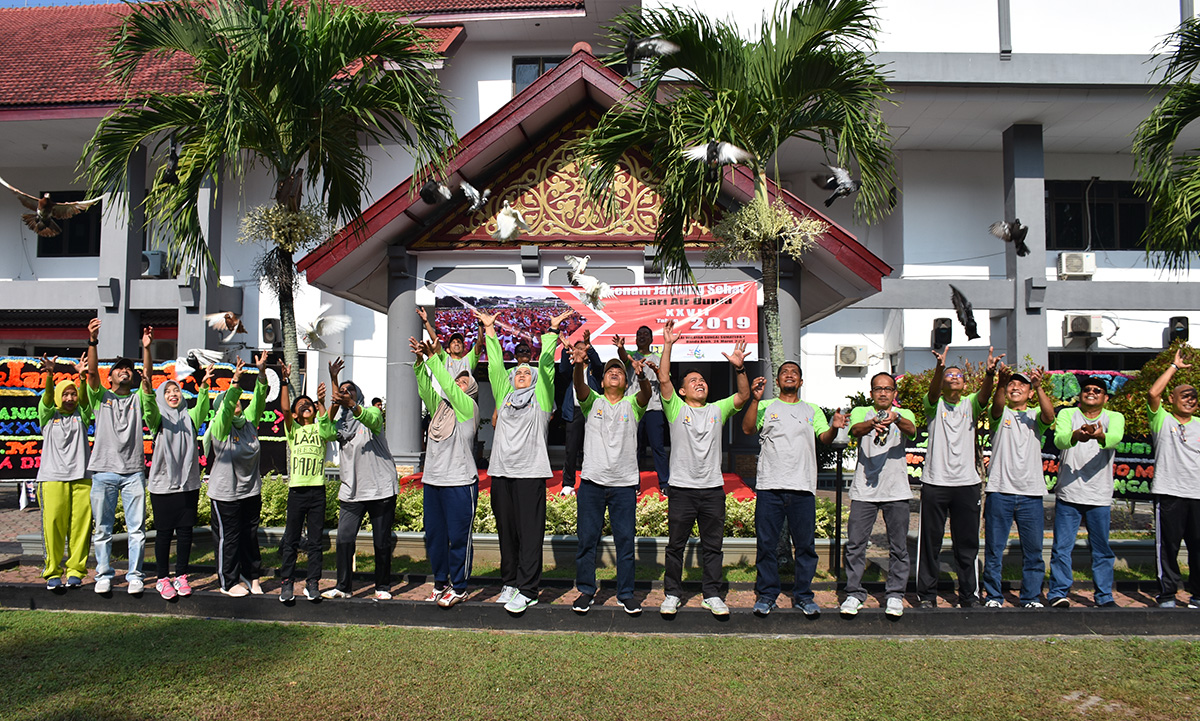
(450, 478)
(234, 485)
(369, 485)
(174, 479)
(64, 484)
(520, 464)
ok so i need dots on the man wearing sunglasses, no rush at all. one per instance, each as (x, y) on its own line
(950, 485)
(1176, 483)
(1088, 438)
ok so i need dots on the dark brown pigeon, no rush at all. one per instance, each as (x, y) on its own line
(1013, 233)
(966, 314)
(46, 211)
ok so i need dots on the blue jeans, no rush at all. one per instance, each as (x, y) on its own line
(449, 518)
(590, 501)
(1067, 517)
(998, 516)
(132, 489)
(800, 508)
(654, 434)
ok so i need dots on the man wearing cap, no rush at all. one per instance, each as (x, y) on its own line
(697, 487)
(788, 430)
(609, 480)
(1088, 437)
(652, 431)
(1176, 483)
(571, 416)
(950, 485)
(1016, 484)
(455, 354)
(118, 464)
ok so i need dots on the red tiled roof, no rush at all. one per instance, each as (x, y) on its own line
(429, 7)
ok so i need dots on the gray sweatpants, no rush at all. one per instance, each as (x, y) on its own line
(858, 532)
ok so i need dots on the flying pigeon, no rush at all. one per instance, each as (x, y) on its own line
(226, 321)
(966, 316)
(323, 327)
(717, 153)
(171, 174)
(42, 221)
(594, 290)
(838, 180)
(509, 223)
(184, 367)
(1013, 233)
(640, 49)
(434, 192)
(477, 199)
(199, 357)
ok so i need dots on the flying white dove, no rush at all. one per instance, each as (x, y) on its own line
(226, 321)
(476, 198)
(183, 369)
(197, 358)
(642, 48)
(838, 180)
(509, 223)
(594, 290)
(717, 153)
(323, 327)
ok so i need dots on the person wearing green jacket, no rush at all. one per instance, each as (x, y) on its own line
(520, 463)
(174, 480)
(232, 450)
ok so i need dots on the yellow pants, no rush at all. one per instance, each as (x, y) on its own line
(66, 521)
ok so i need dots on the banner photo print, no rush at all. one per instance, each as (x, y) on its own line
(712, 316)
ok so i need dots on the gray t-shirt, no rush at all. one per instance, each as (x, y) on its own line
(64, 445)
(649, 374)
(1016, 465)
(450, 461)
(1085, 469)
(787, 434)
(233, 448)
(950, 455)
(519, 444)
(1176, 455)
(366, 468)
(610, 440)
(119, 446)
(882, 471)
(696, 441)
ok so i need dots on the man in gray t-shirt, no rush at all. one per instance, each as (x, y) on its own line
(652, 431)
(118, 464)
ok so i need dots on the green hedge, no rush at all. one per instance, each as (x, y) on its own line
(561, 517)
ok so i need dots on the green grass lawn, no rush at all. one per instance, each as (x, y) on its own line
(90, 666)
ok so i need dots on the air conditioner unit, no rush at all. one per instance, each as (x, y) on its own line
(1076, 266)
(1080, 326)
(850, 356)
(154, 264)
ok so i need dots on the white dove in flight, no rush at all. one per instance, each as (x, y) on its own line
(509, 223)
(226, 321)
(476, 198)
(594, 290)
(323, 327)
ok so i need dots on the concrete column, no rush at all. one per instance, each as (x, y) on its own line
(789, 313)
(198, 291)
(403, 403)
(121, 262)
(1025, 199)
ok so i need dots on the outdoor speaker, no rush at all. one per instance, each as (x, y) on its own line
(272, 332)
(943, 332)
(154, 264)
(1177, 328)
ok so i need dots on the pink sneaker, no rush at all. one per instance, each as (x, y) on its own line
(165, 588)
(182, 586)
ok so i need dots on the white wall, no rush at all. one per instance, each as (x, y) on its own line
(19, 244)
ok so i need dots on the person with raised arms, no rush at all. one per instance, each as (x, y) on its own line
(571, 415)
(64, 484)
(520, 463)
(1176, 485)
(232, 449)
(697, 487)
(450, 479)
(880, 486)
(788, 430)
(369, 485)
(608, 479)
(307, 427)
(118, 465)
(950, 484)
(1088, 437)
(454, 354)
(174, 482)
(652, 431)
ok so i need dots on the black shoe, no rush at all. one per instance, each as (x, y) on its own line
(1060, 602)
(285, 592)
(663, 490)
(926, 604)
(972, 602)
(583, 602)
(1107, 604)
(312, 591)
(631, 606)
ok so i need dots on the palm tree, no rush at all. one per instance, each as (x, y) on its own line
(1170, 181)
(809, 75)
(287, 86)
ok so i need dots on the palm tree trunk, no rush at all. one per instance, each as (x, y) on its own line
(287, 318)
(769, 262)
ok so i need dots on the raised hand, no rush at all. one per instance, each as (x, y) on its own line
(285, 372)
(428, 348)
(1179, 359)
(638, 365)
(147, 336)
(838, 420)
(261, 363)
(47, 364)
(237, 370)
(94, 329)
(321, 393)
(487, 319)
(81, 364)
(757, 387)
(618, 341)
(579, 356)
(670, 335)
(587, 337)
(1036, 375)
(941, 357)
(422, 314)
(992, 360)
(556, 320)
(208, 374)
(1004, 375)
(738, 357)
(335, 367)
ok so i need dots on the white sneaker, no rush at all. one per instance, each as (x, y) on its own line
(103, 585)
(670, 606)
(383, 595)
(237, 590)
(993, 603)
(334, 593)
(567, 491)
(506, 594)
(850, 606)
(716, 605)
(136, 585)
(895, 607)
(519, 603)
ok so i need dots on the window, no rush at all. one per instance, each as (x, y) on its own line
(1118, 215)
(81, 235)
(526, 70)
(1099, 360)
